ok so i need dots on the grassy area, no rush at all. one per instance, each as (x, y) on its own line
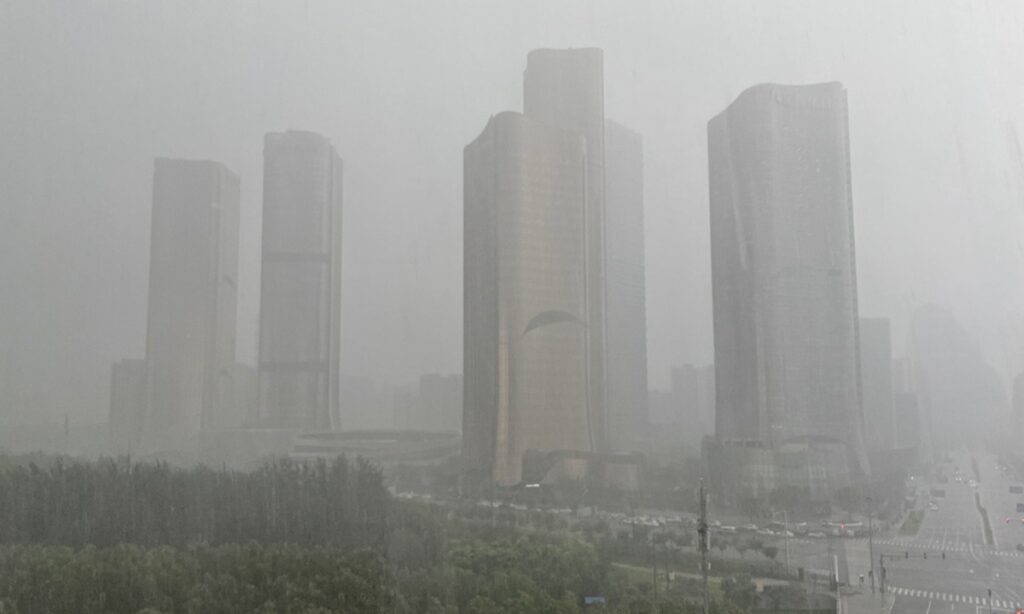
(912, 524)
(986, 523)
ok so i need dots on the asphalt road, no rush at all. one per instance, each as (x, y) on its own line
(961, 581)
(931, 584)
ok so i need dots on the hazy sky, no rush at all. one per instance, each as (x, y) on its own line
(91, 92)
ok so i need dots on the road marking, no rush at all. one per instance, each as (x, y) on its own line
(954, 598)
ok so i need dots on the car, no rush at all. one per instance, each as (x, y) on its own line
(816, 534)
(727, 529)
(750, 527)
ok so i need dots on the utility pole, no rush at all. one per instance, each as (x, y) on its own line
(785, 532)
(871, 546)
(654, 569)
(703, 543)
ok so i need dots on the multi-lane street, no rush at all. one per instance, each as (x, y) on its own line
(961, 581)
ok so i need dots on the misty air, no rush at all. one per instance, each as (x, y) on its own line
(511, 307)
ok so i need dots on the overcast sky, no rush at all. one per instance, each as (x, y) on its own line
(91, 92)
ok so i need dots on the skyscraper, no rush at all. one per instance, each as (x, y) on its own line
(628, 423)
(193, 269)
(300, 298)
(876, 384)
(534, 285)
(949, 372)
(784, 281)
(565, 88)
(525, 346)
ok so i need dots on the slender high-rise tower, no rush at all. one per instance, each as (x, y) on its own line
(193, 269)
(300, 299)
(565, 88)
(784, 282)
(626, 347)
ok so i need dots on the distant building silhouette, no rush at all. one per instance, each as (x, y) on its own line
(300, 298)
(440, 402)
(876, 384)
(1018, 403)
(190, 331)
(908, 420)
(785, 292)
(129, 403)
(960, 395)
(628, 423)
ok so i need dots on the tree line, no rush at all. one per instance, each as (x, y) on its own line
(115, 501)
(114, 536)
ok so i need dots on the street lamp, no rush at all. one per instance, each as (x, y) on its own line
(871, 546)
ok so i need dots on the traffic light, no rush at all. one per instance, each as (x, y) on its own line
(926, 556)
(943, 556)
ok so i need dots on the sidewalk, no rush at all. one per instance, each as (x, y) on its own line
(865, 603)
(858, 562)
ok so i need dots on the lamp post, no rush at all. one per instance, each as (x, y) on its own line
(871, 547)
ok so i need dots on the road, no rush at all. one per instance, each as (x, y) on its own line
(961, 581)
(919, 579)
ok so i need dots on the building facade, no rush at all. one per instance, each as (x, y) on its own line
(525, 335)
(784, 274)
(190, 332)
(626, 349)
(564, 88)
(300, 299)
(534, 336)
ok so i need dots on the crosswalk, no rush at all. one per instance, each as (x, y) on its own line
(953, 597)
(935, 546)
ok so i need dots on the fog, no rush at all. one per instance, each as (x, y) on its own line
(93, 91)
(474, 306)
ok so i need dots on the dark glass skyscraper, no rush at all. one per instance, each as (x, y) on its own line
(785, 284)
(300, 303)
